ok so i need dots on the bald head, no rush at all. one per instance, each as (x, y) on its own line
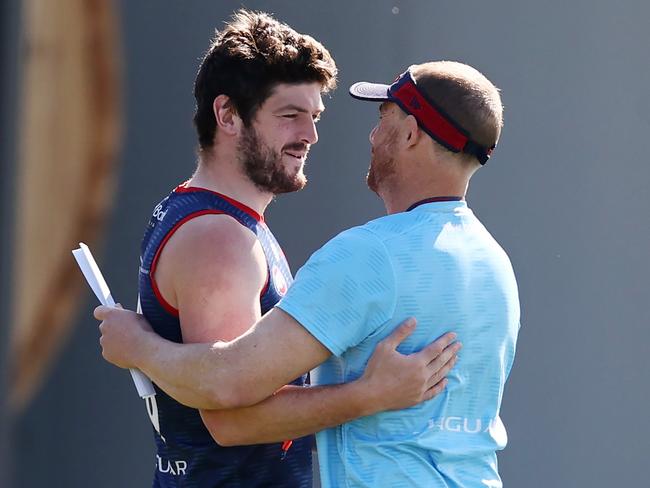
(465, 95)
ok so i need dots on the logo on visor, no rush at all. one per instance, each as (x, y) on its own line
(415, 104)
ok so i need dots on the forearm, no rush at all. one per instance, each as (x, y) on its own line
(239, 373)
(291, 412)
(187, 372)
(216, 375)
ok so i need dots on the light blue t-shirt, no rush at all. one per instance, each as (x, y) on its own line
(439, 264)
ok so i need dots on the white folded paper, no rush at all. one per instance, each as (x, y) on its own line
(94, 277)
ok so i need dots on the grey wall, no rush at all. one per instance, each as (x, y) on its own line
(566, 193)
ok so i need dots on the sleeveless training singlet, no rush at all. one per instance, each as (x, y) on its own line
(187, 456)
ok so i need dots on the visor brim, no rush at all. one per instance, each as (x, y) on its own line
(372, 92)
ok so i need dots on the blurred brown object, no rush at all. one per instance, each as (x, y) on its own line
(70, 126)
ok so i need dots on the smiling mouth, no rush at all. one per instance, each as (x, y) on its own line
(299, 156)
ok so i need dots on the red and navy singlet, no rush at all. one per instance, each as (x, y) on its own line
(187, 456)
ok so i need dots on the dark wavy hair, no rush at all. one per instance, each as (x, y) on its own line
(252, 54)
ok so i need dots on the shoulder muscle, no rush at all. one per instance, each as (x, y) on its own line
(215, 269)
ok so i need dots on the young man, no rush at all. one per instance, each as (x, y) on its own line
(211, 267)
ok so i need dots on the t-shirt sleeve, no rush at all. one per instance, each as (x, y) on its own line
(345, 291)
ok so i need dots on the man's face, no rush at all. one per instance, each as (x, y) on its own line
(274, 149)
(383, 138)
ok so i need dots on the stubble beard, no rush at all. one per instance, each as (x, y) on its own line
(263, 166)
(382, 164)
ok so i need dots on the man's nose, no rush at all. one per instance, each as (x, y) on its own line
(371, 136)
(310, 133)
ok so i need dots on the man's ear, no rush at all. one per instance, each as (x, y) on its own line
(412, 131)
(228, 121)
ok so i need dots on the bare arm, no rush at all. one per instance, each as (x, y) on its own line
(213, 270)
(243, 372)
(211, 376)
(387, 384)
(291, 412)
(218, 375)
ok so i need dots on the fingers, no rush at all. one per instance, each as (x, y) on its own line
(440, 373)
(101, 311)
(435, 390)
(404, 330)
(433, 350)
(444, 356)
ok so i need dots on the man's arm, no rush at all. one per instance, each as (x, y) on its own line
(212, 270)
(295, 411)
(391, 381)
(242, 372)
